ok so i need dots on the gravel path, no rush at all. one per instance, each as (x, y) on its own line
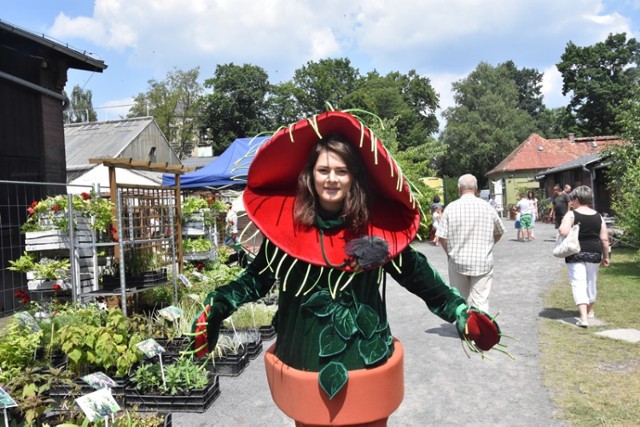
(443, 387)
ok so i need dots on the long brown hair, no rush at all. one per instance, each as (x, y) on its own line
(355, 211)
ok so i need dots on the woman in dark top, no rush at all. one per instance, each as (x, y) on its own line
(594, 251)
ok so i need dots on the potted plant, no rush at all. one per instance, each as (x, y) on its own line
(47, 273)
(186, 387)
(51, 213)
(229, 357)
(254, 315)
(199, 248)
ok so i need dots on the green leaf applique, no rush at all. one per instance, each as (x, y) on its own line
(367, 321)
(373, 351)
(321, 304)
(332, 378)
(343, 322)
(330, 342)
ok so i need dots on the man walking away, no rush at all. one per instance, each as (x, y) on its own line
(468, 230)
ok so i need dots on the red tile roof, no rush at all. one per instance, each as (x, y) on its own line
(537, 153)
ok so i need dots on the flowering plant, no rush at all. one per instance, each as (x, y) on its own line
(52, 212)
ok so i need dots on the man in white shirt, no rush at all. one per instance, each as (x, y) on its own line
(468, 230)
(525, 207)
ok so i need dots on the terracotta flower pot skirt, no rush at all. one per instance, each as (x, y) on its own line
(368, 398)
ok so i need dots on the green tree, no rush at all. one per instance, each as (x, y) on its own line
(624, 169)
(325, 81)
(237, 106)
(599, 78)
(556, 122)
(81, 106)
(282, 105)
(408, 99)
(173, 102)
(529, 84)
(486, 123)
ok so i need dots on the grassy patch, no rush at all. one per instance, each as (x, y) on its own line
(595, 380)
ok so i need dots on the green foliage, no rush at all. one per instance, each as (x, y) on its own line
(251, 315)
(486, 124)
(198, 244)
(327, 80)
(180, 377)
(54, 210)
(17, 348)
(599, 78)
(81, 106)
(624, 170)
(237, 105)
(408, 100)
(109, 347)
(46, 268)
(30, 387)
(173, 102)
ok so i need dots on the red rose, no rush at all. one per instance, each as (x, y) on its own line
(115, 239)
(25, 299)
(86, 196)
(34, 203)
(31, 211)
(57, 287)
(55, 208)
(199, 266)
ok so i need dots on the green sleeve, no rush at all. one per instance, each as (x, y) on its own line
(412, 270)
(250, 285)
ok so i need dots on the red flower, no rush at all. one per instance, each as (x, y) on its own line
(31, 211)
(57, 287)
(55, 208)
(22, 296)
(115, 239)
(86, 196)
(34, 203)
(113, 230)
(199, 266)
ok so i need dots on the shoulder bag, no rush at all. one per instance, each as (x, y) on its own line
(569, 245)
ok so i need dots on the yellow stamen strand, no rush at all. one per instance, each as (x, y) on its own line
(284, 283)
(361, 134)
(284, 288)
(306, 276)
(348, 281)
(269, 261)
(291, 133)
(316, 282)
(393, 263)
(314, 124)
(374, 141)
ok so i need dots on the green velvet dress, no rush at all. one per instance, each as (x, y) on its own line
(326, 315)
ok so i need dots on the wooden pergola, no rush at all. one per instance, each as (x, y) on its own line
(141, 165)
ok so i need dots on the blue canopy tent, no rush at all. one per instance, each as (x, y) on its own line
(230, 168)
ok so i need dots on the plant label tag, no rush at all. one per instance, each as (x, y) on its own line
(150, 347)
(171, 313)
(99, 380)
(98, 404)
(6, 401)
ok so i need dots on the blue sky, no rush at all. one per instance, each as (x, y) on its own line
(443, 40)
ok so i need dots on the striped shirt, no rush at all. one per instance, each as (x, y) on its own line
(470, 226)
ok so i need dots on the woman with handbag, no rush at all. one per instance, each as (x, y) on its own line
(594, 251)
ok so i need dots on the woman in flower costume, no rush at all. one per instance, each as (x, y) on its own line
(337, 215)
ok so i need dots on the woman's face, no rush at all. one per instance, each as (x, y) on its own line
(332, 181)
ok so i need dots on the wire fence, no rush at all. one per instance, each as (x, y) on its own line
(15, 198)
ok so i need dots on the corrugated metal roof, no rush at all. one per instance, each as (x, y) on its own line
(84, 141)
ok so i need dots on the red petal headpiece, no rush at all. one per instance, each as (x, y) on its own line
(273, 177)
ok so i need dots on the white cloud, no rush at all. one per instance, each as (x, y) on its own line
(114, 109)
(438, 38)
(552, 88)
